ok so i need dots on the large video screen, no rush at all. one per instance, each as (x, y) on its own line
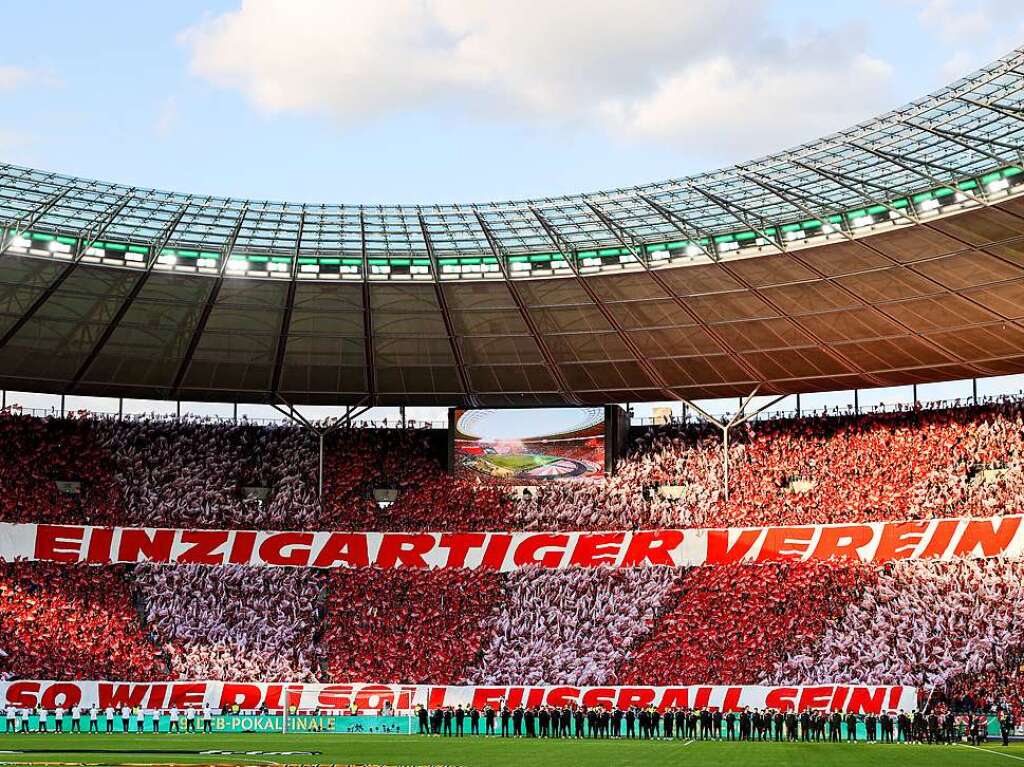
(529, 446)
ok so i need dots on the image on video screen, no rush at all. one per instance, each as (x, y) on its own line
(524, 447)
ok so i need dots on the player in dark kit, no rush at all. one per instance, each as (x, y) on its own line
(460, 716)
(835, 727)
(1006, 725)
(871, 728)
(506, 715)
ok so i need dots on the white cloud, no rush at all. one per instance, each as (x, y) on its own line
(762, 105)
(12, 77)
(974, 31)
(661, 69)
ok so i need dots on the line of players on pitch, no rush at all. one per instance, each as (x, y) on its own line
(20, 719)
(749, 724)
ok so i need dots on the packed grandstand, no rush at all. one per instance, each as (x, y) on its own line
(846, 563)
(950, 628)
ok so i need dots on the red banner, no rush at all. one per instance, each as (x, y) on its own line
(505, 551)
(372, 697)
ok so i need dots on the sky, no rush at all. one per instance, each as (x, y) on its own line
(421, 101)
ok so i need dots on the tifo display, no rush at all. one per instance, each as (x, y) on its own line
(862, 564)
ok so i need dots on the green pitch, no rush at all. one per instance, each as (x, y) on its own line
(517, 462)
(478, 752)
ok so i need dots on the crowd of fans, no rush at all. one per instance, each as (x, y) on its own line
(734, 623)
(72, 622)
(233, 622)
(950, 628)
(570, 627)
(923, 623)
(408, 625)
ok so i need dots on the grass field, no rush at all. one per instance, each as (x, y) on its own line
(478, 752)
(520, 462)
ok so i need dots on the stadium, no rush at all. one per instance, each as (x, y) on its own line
(542, 576)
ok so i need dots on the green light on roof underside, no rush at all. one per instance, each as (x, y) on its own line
(330, 261)
(742, 236)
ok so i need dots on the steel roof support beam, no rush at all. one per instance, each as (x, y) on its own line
(1007, 111)
(745, 218)
(625, 238)
(211, 301)
(658, 280)
(538, 338)
(108, 218)
(33, 218)
(320, 431)
(650, 370)
(286, 317)
(916, 170)
(964, 141)
(740, 417)
(368, 356)
(840, 179)
(742, 217)
(122, 310)
(449, 326)
(795, 199)
(692, 234)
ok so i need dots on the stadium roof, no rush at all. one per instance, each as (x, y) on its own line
(889, 253)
